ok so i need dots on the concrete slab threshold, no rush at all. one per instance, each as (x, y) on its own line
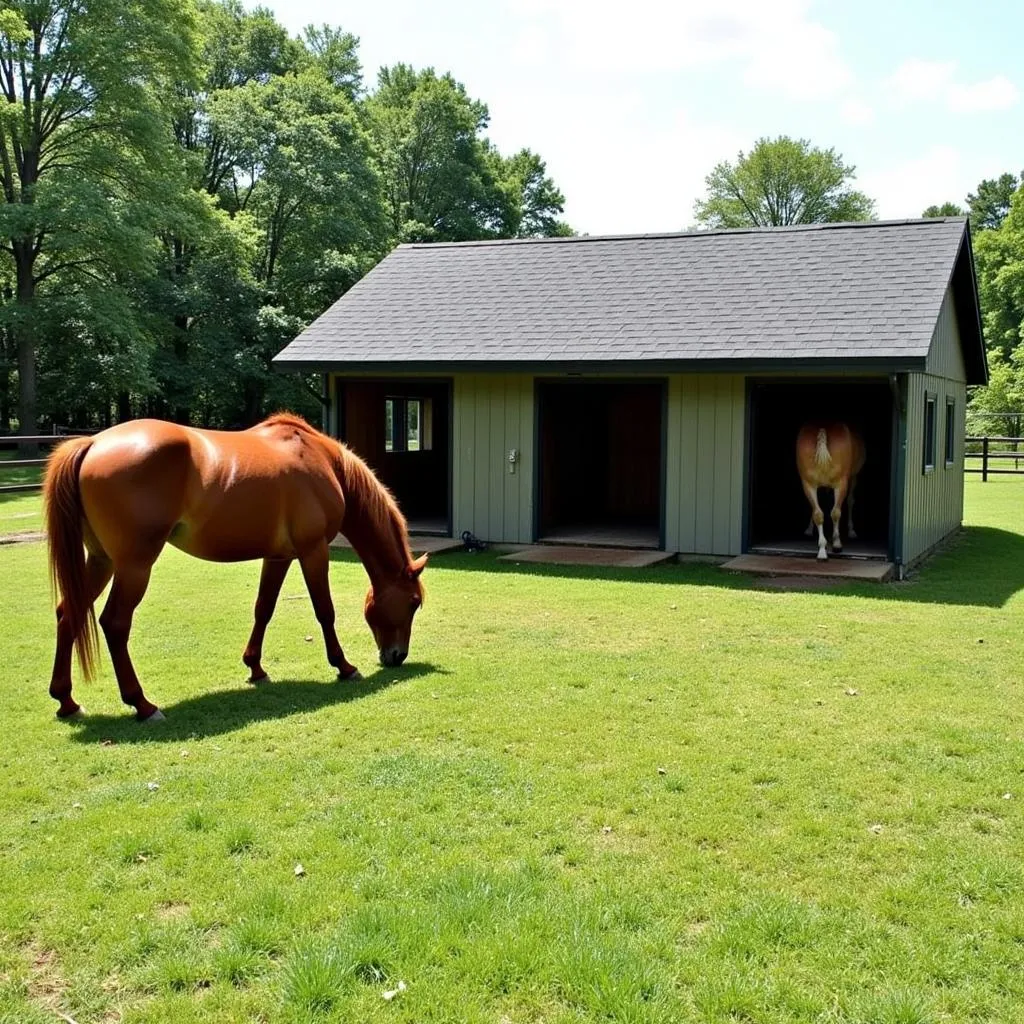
(569, 554)
(831, 568)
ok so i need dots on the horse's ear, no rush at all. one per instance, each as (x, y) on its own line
(416, 567)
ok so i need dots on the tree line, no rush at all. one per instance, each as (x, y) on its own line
(186, 186)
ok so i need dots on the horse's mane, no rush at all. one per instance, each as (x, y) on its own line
(376, 501)
(288, 419)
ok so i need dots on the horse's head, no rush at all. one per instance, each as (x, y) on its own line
(390, 610)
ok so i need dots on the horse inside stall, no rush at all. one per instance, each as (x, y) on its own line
(279, 491)
(829, 455)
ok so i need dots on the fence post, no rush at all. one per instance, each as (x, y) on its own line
(984, 459)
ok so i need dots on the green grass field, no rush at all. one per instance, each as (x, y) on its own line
(673, 795)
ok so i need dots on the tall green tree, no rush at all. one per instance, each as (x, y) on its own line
(529, 201)
(85, 148)
(990, 205)
(782, 181)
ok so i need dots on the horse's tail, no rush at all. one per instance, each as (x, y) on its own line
(64, 518)
(822, 456)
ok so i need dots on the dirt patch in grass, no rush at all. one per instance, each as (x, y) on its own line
(46, 986)
(23, 537)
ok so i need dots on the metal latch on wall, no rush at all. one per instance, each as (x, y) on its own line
(513, 458)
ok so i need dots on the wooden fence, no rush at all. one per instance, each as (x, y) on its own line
(996, 450)
(29, 440)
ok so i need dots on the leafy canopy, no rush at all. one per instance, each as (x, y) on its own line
(782, 181)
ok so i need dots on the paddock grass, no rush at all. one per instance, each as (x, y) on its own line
(672, 795)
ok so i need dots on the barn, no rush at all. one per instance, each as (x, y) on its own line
(646, 390)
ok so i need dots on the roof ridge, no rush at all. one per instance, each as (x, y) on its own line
(858, 225)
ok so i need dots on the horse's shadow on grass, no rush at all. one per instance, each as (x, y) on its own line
(222, 711)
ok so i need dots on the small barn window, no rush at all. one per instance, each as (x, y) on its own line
(950, 432)
(408, 424)
(929, 432)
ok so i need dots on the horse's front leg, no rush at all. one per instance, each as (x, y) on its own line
(315, 570)
(271, 580)
(818, 518)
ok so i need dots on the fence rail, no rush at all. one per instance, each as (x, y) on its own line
(30, 440)
(989, 454)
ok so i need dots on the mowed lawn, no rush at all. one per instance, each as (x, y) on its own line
(676, 795)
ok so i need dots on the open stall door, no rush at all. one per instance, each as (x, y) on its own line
(600, 462)
(777, 510)
(402, 428)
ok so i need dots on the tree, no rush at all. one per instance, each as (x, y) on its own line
(84, 147)
(530, 202)
(945, 210)
(990, 205)
(781, 181)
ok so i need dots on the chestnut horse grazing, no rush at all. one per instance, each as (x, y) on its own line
(829, 455)
(279, 491)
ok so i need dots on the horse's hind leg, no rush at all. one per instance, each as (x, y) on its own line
(850, 531)
(130, 583)
(271, 579)
(97, 573)
(837, 511)
(818, 518)
(315, 565)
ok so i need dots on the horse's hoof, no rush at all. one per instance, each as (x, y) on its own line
(259, 682)
(354, 677)
(853, 535)
(157, 716)
(75, 716)
(822, 556)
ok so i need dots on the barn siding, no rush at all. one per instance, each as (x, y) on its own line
(946, 356)
(705, 452)
(491, 414)
(932, 502)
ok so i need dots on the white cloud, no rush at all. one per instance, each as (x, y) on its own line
(997, 93)
(925, 80)
(906, 189)
(922, 79)
(775, 42)
(855, 111)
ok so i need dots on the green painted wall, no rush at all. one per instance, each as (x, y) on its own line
(492, 414)
(705, 452)
(933, 501)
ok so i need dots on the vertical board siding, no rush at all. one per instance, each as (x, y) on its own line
(946, 356)
(932, 502)
(493, 413)
(704, 486)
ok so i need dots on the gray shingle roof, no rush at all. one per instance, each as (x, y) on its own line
(856, 291)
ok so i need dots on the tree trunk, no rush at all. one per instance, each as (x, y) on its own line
(24, 264)
(124, 407)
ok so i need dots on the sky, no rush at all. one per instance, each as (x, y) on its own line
(632, 103)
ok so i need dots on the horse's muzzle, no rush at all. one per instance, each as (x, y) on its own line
(393, 657)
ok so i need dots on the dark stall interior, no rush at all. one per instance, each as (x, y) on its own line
(778, 511)
(402, 428)
(601, 461)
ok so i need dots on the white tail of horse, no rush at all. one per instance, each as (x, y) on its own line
(822, 455)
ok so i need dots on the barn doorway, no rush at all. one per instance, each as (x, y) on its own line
(777, 511)
(402, 428)
(600, 462)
